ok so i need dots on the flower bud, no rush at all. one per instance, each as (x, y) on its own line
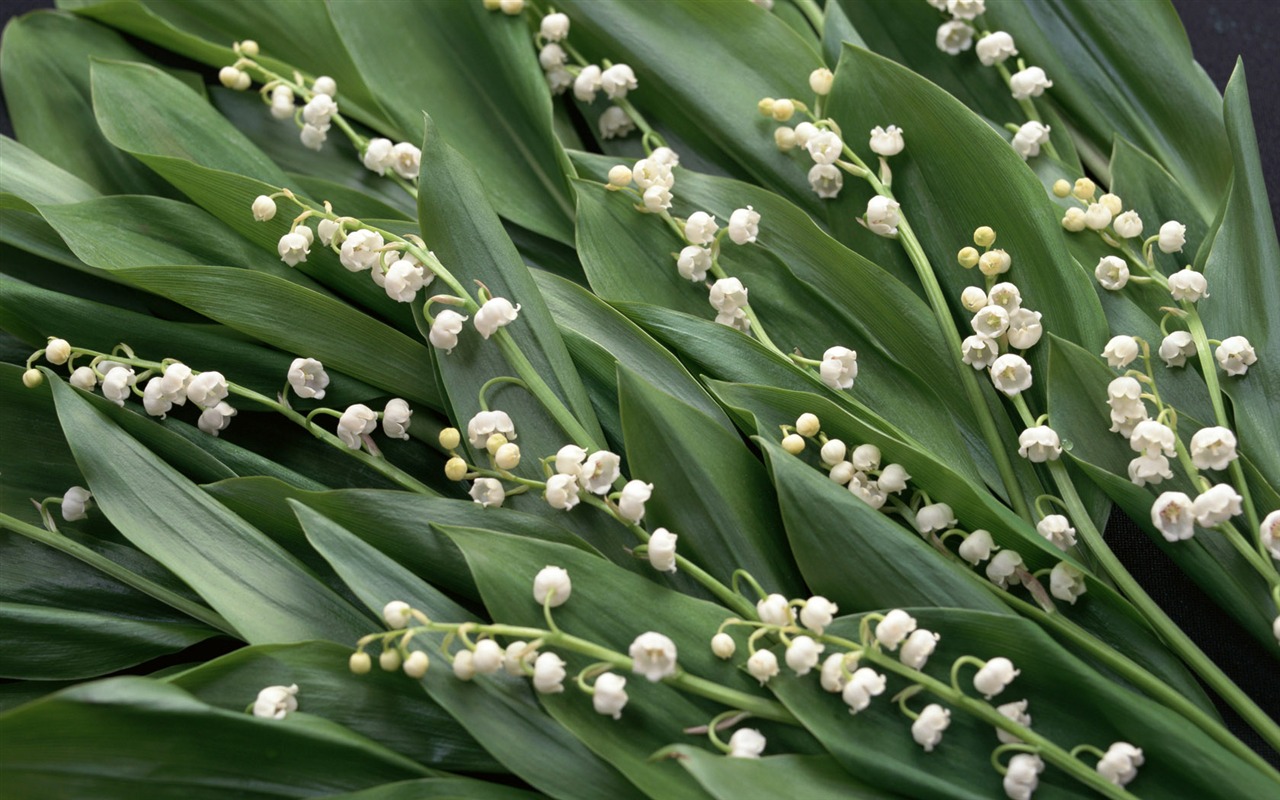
(1097, 216)
(1073, 220)
(994, 676)
(1127, 225)
(415, 666)
(1173, 235)
(619, 176)
(455, 469)
(511, 8)
(774, 610)
(1112, 202)
(820, 81)
(34, 377)
(264, 208)
(782, 110)
(763, 665)
(1084, 189)
(968, 257)
(785, 138)
(57, 351)
(389, 660)
(397, 614)
(793, 443)
(833, 452)
(994, 262)
(553, 583)
(507, 456)
(450, 438)
(487, 657)
(984, 236)
(723, 646)
(230, 77)
(765, 106)
(973, 298)
(808, 425)
(1061, 188)
(360, 663)
(493, 441)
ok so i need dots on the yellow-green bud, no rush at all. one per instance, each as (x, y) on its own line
(808, 425)
(984, 236)
(1061, 188)
(619, 176)
(494, 441)
(793, 443)
(783, 110)
(507, 456)
(765, 106)
(360, 663)
(968, 257)
(32, 378)
(389, 660)
(450, 438)
(994, 262)
(1112, 203)
(415, 666)
(1084, 189)
(455, 469)
(249, 48)
(785, 138)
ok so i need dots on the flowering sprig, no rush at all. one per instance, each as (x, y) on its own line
(170, 383)
(533, 653)
(858, 672)
(318, 112)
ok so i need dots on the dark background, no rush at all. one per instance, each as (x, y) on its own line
(1220, 30)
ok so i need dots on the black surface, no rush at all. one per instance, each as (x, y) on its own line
(1219, 30)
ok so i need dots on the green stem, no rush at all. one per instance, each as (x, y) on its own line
(540, 389)
(1210, 370)
(1052, 753)
(105, 565)
(754, 704)
(813, 13)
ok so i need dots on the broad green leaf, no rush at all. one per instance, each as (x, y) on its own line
(1069, 702)
(1106, 86)
(811, 777)
(501, 713)
(1244, 282)
(705, 88)
(299, 321)
(611, 608)
(599, 338)
(184, 139)
(303, 38)
(385, 707)
(28, 175)
(103, 739)
(467, 236)
(58, 643)
(45, 61)
(477, 74)
(946, 183)
(395, 523)
(707, 486)
(265, 594)
(442, 788)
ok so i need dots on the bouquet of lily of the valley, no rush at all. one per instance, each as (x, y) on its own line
(492, 399)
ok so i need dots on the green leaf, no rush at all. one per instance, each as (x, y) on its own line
(262, 592)
(810, 777)
(385, 707)
(96, 740)
(476, 73)
(1244, 282)
(57, 644)
(611, 608)
(1106, 86)
(204, 30)
(29, 176)
(45, 61)
(754, 54)
(599, 338)
(708, 487)
(460, 226)
(442, 788)
(502, 714)
(397, 524)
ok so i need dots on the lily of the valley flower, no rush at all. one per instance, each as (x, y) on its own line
(977, 547)
(995, 48)
(1039, 444)
(935, 517)
(979, 351)
(728, 295)
(497, 312)
(744, 225)
(282, 102)
(693, 262)
(552, 582)
(1023, 776)
(886, 142)
(1121, 351)
(882, 216)
(700, 228)
(1066, 582)
(1127, 225)
(839, 367)
(820, 81)
(615, 122)
(554, 27)
(1188, 284)
(609, 695)
(802, 654)
(1016, 711)
(1216, 505)
(488, 492)
(653, 656)
(562, 492)
(445, 329)
(662, 550)
(746, 743)
(1173, 235)
(954, 37)
(723, 645)
(1029, 138)
(1153, 438)
(395, 419)
(1024, 328)
(75, 503)
(1003, 566)
(826, 180)
(295, 246)
(1011, 374)
(206, 389)
(774, 610)
(617, 80)
(378, 156)
(864, 684)
(824, 147)
(634, 496)
(994, 676)
(307, 378)
(1269, 533)
(1057, 529)
(1173, 515)
(1213, 448)
(357, 421)
(817, 613)
(264, 208)
(895, 626)
(216, 418)
(276, 702)
(1235, 355)
(1176, 348)
(1030, 82)
(599, 471)
(360, 250)
(762, 665)
(918, 647)
(1120, 763)
(1112, 273)
(1148, 468)
(928, 727)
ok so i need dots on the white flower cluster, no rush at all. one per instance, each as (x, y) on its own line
(1000, 320)
(359, 421)
(587, 81)
(653, 178)
(403, 158)
(858, 468)
(1175, 514)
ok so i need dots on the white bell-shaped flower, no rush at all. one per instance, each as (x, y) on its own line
(762, 665)
(1030, 82)
(839, 367)
(886, 142)
(653, 656)
(1173, 235)
(307, 378)
(445, 329)
(276, 702)
(994, 676)
(497, 312)
(700, 228)
(562, 492)
(802, 654)
(75, 503)
(356, 421)
(826, 180)
(1173, 514)
(918, 647)
(928, 727)
(744, 225)
(1066, 582)
(995, 48)
(954, 37)
(1216, 505)
(1112, 273)
(693, 262)
(977, 547)
(599, 471)
(488, 492)
(662, 550)
(1235, 355)
(1176, 348)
